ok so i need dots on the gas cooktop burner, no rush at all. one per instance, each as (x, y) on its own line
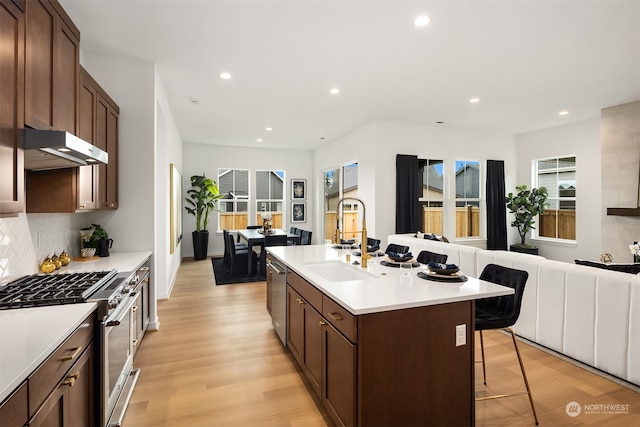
(54, 289)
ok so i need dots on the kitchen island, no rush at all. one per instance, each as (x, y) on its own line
(378, 346)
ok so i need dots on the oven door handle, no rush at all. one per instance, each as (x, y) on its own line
(117, 316)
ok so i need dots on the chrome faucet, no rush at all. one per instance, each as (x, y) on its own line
(363, 232)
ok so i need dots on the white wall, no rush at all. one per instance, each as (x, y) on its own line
(376, 145)
(199, 158)
(583, 140)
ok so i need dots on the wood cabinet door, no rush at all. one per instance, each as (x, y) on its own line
(312, 365)
(51, 68)
(339, 376)
(295, 325)
(12, 23)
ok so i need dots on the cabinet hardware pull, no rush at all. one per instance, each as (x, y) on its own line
(69, 382)
(322, 323)
(76, 351)
(134, 308)
(300, 301)
(335, 316)
(75, 375)
(134, 342)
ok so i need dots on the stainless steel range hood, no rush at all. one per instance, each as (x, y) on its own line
(53, 149)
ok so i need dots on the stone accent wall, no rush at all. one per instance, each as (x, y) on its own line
(620, 134)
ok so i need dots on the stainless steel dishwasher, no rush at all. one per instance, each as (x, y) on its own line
(277, 288)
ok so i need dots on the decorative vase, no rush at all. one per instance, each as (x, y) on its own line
(636, 258)
(103, 246)
(200, 244)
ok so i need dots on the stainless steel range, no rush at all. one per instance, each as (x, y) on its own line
(112, 291)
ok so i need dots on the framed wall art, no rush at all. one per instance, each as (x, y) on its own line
(175, 210)
(298, 189)
(298, 212)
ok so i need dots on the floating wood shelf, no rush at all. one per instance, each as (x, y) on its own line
(624, 211)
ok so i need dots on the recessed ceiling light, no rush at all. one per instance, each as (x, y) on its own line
(268, 129)
(259, 139)
(563, 113)
(474, 100)
(439, 123)
(422, 21)
(195, 101)
(334, 91)
(225, 76)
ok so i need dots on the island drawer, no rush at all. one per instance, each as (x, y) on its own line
(52, 370)
(340, 318)
(306, 290)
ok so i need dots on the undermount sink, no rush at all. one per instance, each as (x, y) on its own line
(338, 271)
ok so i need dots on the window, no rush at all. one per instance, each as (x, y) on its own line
(558, 175)
(270, 196)
(234, 183)
(432, 195)
(467, 198)
(340, 183)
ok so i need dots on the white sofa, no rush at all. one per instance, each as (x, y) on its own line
(586, 313)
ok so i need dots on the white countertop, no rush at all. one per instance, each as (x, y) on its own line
(121, 261)
(380, 288)
(29, 335)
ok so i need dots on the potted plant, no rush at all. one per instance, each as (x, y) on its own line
(526, 205)
(203, 197)
(94, 236)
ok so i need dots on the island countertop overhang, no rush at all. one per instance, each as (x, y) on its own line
(372, 291)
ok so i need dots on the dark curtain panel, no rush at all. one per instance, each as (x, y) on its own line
(496, 209)
(408, 190)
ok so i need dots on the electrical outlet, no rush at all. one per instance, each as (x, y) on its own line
(461, 335)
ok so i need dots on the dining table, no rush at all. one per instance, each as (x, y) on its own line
(255, 237)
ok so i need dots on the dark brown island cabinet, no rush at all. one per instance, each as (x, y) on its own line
(62, 390)
(391, 368)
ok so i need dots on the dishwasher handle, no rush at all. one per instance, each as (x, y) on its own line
(274, 268)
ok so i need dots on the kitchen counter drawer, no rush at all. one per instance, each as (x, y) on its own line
(305, 289)
(48, 375)
(340, 318)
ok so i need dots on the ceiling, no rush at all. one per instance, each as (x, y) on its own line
(525, 60)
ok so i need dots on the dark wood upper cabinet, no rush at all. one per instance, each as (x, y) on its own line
(12, 23)
(52, 67)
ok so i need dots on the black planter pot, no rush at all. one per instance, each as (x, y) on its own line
(103, 246)
(530, 251)
(200, 244)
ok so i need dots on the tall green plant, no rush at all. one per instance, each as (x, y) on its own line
(203, 197)
(526, 205)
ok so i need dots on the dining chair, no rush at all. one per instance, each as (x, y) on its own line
(239, 245)
(305, 237)
(292, 230)
(253, 227)
(238, 258)
(399, 249)
(270, 240)
(425, 257)
(502, 313)
(373, 244)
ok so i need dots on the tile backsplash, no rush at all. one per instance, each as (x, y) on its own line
(26, 240)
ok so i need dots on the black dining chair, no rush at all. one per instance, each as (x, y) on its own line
(425, 257)
(372, 244)
(305, 237)
(399, 249)
(270, 240)
(253, 227)
(502, 313)
(292, 230)
(239, 246)
(238, 258)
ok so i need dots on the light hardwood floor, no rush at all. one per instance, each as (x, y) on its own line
(217, 362)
